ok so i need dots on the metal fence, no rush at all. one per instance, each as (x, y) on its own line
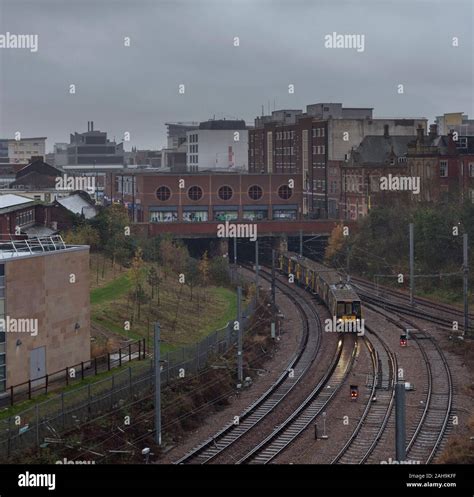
(43, 423)
(73, 374)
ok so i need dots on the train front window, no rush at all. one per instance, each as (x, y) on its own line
(356, 308)
(340, 309)
(348, 309)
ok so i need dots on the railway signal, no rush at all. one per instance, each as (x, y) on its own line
(403, 341)
(354, 392)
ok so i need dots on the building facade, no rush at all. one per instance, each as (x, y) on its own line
(21, 151)
(316, 144)
(195, 198)
(218, 145)
(49, 290)
(93, 148)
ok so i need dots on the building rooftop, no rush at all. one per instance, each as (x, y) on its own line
(11, 200)
(11, 249)
(77, 205)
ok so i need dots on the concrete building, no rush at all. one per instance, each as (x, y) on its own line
(60, 154)
(316, 144)
(93, 148)
(21, 151)
(4, 151)
(455, 121)
(218, 145)
(45, 284)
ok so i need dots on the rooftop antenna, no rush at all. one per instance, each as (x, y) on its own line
(269, 107)
(263, 112)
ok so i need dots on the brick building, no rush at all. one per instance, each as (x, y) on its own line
(195, 198)
(429, 168)
(315, 145)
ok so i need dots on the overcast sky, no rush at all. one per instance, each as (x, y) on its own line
(191, 42)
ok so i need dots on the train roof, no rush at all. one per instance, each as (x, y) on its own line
(341, 289)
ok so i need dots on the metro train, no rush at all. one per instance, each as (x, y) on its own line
(340, 297)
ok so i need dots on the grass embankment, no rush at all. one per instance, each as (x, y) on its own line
(185, 316)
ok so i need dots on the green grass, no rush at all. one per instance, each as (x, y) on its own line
(181, 324)
(54, 395)
(112, 291)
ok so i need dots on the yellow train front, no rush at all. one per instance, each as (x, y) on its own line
(340, 297)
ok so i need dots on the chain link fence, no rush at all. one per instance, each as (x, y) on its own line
(43, 423)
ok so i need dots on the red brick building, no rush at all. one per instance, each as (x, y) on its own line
(315, 145)
(437, 168)
(199, 198)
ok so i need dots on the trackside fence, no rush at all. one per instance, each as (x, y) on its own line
(44, 423)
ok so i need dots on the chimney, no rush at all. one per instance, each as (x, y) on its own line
(433, 131)
(385, 131)
(420, 133)
(92, 125)
(88, 125)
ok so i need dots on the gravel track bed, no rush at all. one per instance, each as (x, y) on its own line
(288, 405)
(283, 352)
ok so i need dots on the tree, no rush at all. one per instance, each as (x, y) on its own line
(219, 271)
(335, 244)
(192, 274)
(203, 267)
(153, 280)
(137, 279)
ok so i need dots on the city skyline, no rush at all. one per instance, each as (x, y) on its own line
(136, 88)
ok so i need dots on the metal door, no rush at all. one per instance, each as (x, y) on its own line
(37, 365)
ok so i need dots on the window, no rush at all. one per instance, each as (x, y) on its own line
(443, 169)
(195, 193)
(195, 216)
(284, 214)
(226, 215)
(163, 193)
(225, 192)
(255, 192)
(284, 192)
(256, 215)
(471, 169)
(163, 217)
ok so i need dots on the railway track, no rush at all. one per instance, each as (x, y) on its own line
(308, 411)
(307, 351)
(428, 435)
(376, 415)
(422, 306)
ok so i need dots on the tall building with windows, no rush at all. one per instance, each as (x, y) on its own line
(21, 151)
(93, 148)
(315, 144)
(218, 145)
